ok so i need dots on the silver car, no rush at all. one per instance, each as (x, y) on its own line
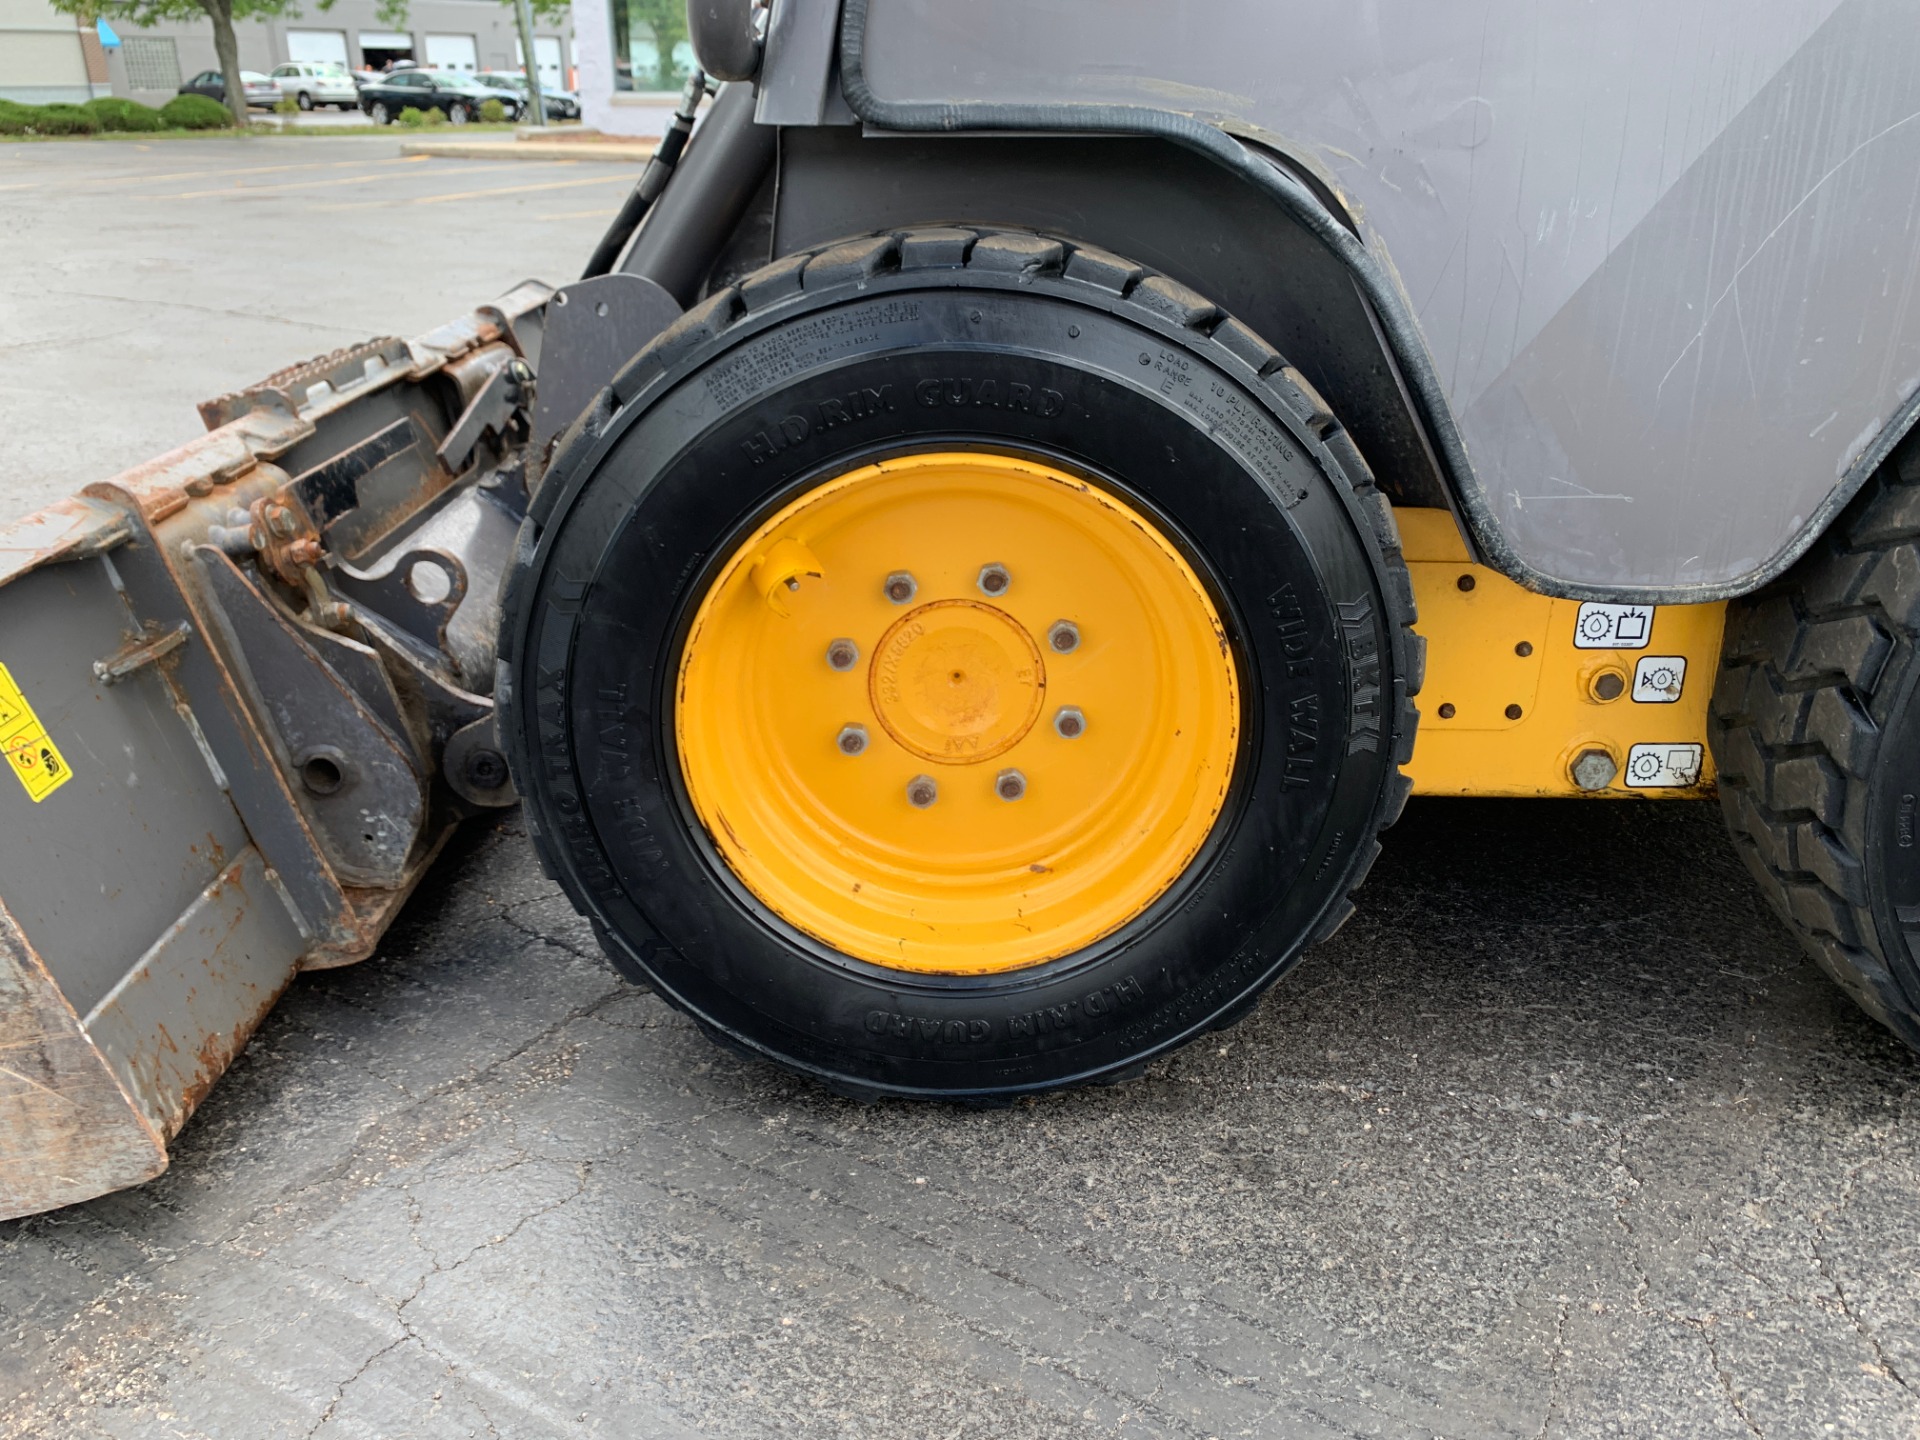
(314, 83)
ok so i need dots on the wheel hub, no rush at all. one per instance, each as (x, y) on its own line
(957, 682)
(860, 705)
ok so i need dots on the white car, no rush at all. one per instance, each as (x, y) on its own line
(311, 83)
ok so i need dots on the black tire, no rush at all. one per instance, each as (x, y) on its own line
(1815, 727)
(640, 506)
(379, 114)
(304, 100)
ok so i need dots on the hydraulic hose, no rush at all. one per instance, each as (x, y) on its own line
(651, 182)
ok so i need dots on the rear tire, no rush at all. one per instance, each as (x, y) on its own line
(1815, 727)
(457, 113)
(379, 114)
(1015, 347)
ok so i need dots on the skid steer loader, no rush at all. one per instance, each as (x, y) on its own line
(950, 583)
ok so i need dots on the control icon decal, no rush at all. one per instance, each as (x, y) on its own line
(1613, 627)
(1663, 766)
(1657, 679)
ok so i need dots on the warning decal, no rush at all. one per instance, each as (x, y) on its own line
(30, 751)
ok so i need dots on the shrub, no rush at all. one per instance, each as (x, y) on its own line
(14, 117)
(286, 105)
(433, 117)
(62, 120)
(414, 118)
(116, 112)
(492, 111)
(194, 112)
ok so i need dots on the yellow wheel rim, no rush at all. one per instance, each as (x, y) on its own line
(957, 713)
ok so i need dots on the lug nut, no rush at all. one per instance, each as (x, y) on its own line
(1069, 723)
(993, 580)
(1009, 784)
(852, 740)
(1594, 769)
(902, 587)
(843, 654)
(922, 792)
(1063, 636)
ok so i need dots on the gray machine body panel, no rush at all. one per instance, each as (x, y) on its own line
(1663, 256)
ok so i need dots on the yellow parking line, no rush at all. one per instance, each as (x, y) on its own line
(275, 189)
(581, 214)
(249, 170)
(475, 194)
(622, 179)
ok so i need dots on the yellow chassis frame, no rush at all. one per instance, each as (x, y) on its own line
(1516, 704)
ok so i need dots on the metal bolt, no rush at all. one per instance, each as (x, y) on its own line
(486, 769)
(1446, 712)
(1594, 769)
(901, 587)
(994, 580)
(1523, 649)
(922, 792)
(1513, 712)
(1063, 636)
(843, 654)
(1009, 784)
(853, 739)
(280, 521)
(1069, 723)
(1465, 582)
(1609, 685)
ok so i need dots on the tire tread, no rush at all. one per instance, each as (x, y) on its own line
(1808, 669)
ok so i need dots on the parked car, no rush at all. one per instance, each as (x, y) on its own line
(262, 93)
(312, 83)
(561, 104)
(513, 101)
(458, 96)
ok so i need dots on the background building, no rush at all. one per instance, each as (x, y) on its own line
(46, 57)
(623, 74)
(152, 61)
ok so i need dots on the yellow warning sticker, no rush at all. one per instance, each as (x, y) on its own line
(30, 751)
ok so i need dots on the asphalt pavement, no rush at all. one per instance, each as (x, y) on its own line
(1559, 1136)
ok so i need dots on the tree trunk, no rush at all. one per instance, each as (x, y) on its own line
(226, 46)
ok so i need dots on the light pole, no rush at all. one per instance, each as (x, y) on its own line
(523, 12)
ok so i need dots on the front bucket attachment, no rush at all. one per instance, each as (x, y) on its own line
(224, 717)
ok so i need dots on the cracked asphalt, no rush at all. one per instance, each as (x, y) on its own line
(1560, 1136)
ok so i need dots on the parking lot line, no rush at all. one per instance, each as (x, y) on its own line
(625, 178)
(482, 194)
(330, 182)
(140, 179)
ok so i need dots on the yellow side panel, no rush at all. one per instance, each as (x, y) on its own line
(1524, 692)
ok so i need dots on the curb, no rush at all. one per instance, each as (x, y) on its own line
(529, 150)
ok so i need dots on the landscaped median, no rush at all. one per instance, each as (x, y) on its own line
(113, 114)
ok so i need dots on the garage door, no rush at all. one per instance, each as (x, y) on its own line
(546, 49)
(452, 52)
(317, 46)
